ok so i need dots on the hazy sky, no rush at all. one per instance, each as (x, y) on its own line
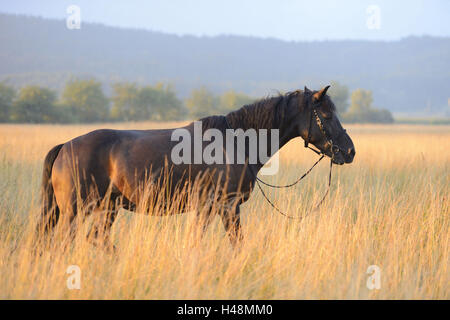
(283, 19)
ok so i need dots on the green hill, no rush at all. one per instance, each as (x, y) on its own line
(405, 76)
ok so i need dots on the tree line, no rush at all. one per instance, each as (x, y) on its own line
(360, 108)
(83, 101)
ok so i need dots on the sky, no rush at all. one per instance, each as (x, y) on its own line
(283, 19)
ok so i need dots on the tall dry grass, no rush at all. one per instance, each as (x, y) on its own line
(389, 208)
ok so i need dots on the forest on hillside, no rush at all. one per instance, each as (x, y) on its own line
(409, 75)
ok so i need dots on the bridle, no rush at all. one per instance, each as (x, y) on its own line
(334, 148)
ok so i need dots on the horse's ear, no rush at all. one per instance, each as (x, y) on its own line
(320, 94)
(307, 90)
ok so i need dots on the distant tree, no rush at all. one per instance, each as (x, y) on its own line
(147, 103)
(361, 109)
(64, 114)
(201, 103)
(380, 116)
(231, 100)
(339, 94)
(125, 102)
(160, 102)
(34, 104)
(169, 106)
(7, 95)
(361, 100)
(86, 100)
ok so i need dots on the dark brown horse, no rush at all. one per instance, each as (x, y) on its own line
(112, 165)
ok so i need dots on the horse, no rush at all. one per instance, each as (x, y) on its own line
(109, 166)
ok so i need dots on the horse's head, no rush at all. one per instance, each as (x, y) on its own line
(323, 128)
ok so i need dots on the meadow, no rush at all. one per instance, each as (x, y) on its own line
(389, 208)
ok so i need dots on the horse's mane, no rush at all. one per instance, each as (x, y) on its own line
(265, 113)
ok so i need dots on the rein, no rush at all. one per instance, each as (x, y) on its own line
(334, 149)
(304, 175)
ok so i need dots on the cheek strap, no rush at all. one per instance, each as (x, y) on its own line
(308, 138)
(334, 148)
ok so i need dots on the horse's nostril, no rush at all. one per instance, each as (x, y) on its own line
(351, 151)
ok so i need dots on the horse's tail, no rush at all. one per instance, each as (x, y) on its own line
(49, 215)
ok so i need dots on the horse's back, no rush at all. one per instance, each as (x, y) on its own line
(108, 156)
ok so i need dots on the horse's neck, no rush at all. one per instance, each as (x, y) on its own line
(272, 116)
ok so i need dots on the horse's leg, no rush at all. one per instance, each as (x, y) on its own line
(204, 217)
(70, 224)
(101, 228)
(232, 223)
(71, 197)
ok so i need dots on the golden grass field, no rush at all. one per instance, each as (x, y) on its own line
(389, 208)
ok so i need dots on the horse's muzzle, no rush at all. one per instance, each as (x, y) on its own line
(340, 156)
(350, 155)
